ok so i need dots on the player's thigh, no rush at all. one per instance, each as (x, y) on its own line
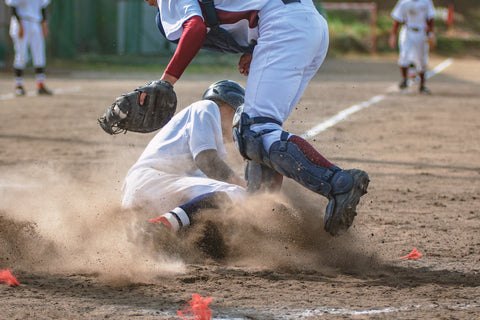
(21, 50)
(406, 50)
(284, 52)
(194, 187)
(37, 45)
(150, 188)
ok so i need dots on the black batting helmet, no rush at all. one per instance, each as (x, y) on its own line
(226, 91)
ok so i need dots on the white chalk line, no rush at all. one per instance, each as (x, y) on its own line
(344, 114)
(280, 313)
(34, 93)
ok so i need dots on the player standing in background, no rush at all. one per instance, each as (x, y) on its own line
(184, 163)
(28, 29)
(417, 20)
(284, 43)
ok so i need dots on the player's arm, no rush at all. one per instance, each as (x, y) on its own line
(20, 25)
(210, 163)
(430, 26)
(393, 34)
(193, 36)
(44, 22)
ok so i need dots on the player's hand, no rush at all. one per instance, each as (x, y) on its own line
(244, 64)
(392, 41)
(152, 3)
(20, 30)
(170, 79)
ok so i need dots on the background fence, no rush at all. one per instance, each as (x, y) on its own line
(111, 27)
(127, 27)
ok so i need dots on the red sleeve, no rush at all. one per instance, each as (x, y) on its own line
(193, 36)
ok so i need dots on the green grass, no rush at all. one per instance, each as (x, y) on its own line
(205, 63)
(349, 34)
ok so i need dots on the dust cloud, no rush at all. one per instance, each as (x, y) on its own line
(53, 222)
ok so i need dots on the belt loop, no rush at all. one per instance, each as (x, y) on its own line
(290, 1)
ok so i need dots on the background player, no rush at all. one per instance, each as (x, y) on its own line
(183, 164)
(417, 20)
(28, 29)
(288, 52)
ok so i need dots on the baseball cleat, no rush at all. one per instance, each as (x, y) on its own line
(340, 217)
(424, 90)
(403, 84)
(19, 91)
(44, 91)
(161, 220)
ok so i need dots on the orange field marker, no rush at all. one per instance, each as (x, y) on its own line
(412, 255)
(197, 308)
(7, 277)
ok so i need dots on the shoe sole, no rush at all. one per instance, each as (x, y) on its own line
(344, 214)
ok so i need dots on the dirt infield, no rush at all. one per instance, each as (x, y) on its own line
(76, 254)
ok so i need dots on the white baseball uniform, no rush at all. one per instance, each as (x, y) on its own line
(30, 14)
(413, 47)
(292, 42)
(166, 175)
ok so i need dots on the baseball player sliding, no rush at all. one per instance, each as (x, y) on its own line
(417, 20)
(283, 44)
(183, 165)
(28, 29)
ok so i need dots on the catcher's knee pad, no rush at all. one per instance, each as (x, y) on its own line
(248, 142)
(287, 158)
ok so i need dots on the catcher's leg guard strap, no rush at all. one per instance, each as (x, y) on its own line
(287, 158)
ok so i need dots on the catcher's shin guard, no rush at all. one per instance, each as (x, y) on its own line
(342, 188)
(287, 158)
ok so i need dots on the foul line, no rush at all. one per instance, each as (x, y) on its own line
(343, 115)
(34, 93)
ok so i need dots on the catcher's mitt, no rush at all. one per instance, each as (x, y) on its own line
(126, 113)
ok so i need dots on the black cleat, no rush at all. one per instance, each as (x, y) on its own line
(424, 90)
(345, 204)
(19, 91)
(403, 84)
(44, 91)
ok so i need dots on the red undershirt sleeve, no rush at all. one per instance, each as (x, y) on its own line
(193, 36)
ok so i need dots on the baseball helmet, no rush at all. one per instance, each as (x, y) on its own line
(226, 91)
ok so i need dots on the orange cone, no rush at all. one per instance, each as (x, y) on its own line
(412, 255)
(7, 277)
(197, 308)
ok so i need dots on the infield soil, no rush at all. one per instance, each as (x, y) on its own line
(77, 255)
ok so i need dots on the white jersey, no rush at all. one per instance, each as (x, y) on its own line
(414, 13)
(165, 175)
(191, 131)
(29, 9)
(237, 17)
